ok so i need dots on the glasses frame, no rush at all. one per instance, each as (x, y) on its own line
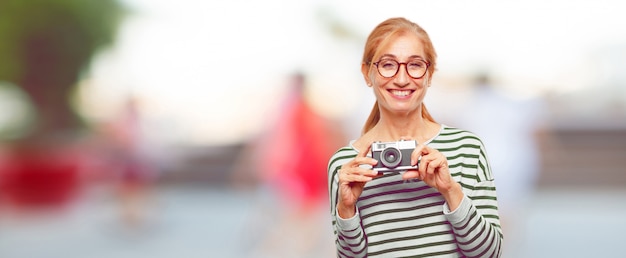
(406, 68)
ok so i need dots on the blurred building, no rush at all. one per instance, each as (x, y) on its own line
(587, 143)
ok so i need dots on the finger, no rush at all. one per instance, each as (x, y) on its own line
(362, 172)
(428, 149)
(367, 172)
(410, 174)
(345, 174)
(424, 163)
(357, 178)
(362, 158)
(365, 160)
(443, 167)
(367, 150)
(356, 161)
(444, 163)
(432, 165)
(416, 154)
(431, 162)
(341, 175)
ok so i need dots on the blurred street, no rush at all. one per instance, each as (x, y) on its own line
(185, 222)
(182, 222)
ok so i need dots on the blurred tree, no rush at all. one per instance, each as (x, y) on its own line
(45, 46)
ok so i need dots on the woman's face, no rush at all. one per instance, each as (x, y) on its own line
(400, 94)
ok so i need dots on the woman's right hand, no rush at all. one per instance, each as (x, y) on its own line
(352, 179)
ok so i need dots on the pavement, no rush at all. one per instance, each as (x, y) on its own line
(184, 221)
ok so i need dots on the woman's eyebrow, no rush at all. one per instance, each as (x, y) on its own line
(387, 55)
(410, 57)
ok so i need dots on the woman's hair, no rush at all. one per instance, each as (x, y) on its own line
(382, 35)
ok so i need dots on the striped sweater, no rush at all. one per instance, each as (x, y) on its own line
(397, 218)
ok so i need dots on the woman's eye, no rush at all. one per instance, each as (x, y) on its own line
(388, 64)
(416, 65)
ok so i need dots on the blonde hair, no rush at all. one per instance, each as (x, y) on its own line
(382, 35)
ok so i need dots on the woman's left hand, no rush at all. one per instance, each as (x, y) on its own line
(433, 170)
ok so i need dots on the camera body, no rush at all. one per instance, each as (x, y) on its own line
(393, 156)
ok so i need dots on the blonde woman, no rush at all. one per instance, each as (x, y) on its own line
(444, 204)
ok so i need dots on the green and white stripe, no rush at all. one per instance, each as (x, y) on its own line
(399, 218)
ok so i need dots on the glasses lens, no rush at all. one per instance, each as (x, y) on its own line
(388, 68)
(416, 69)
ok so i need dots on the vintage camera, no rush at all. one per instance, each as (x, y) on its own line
(393, 156)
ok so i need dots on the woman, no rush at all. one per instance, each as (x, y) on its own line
(447, 205)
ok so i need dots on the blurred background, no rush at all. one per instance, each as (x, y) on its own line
(147, 128)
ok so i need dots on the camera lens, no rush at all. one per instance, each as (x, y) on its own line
(391, 157)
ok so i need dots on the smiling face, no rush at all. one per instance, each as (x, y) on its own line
(400, 94)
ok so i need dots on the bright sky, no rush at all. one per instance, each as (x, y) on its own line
(213, 72)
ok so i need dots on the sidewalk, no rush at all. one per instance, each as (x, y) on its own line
(208, 222)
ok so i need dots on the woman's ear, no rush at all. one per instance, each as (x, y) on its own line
(365, 69)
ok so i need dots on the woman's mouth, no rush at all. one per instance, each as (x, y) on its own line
(401, 93)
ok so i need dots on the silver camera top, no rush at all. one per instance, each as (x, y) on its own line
(402, 144)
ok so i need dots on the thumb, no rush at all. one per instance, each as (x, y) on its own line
(410, 174)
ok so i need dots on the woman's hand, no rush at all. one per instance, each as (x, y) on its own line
(433, 170)
(352, 179)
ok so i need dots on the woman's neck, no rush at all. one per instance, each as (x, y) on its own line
(394, 128)
(407, 127)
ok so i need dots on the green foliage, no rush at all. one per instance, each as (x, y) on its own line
(81, 27)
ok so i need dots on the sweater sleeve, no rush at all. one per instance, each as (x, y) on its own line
(350, 238)
(475, 222)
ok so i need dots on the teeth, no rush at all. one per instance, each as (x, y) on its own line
(401, 93)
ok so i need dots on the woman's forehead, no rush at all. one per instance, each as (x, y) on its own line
(403, 46)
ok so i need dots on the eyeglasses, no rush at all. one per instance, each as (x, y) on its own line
(388, 68)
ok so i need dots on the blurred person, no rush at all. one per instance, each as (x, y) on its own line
(136, 171)
(512, 146)
(288, 158)
(447, 205)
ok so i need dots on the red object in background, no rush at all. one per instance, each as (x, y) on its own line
(295, 151)
(38, 178)
(295, 158)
